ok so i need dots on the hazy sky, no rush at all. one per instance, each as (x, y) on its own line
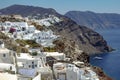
(62, 6)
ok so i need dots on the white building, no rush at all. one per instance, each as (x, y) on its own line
(46, 73)
(42, 57)
(75, 73)
(7, 67)
(72, 72)
(60, 71)
(6, 56)
(21, 30)
(48, 21)
(19, 26)
(44, 38)
(27, 61)
(29, 66)
(56, 55)
(7, 59)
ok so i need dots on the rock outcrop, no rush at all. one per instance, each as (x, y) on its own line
(95, 20)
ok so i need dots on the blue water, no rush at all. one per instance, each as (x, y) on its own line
(111, 61)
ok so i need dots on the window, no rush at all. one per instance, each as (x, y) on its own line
(29, 66)
(4, 55)
(32, 62)
(33, 66)
(10, 67)
(23, 29)
(36, 65)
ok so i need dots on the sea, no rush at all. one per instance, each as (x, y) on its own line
(109, 62)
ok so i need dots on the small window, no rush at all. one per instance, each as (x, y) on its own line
(32, 62)
(23, 29)
(36, 65)
(4, 55)
(29, 66)
(10, 67)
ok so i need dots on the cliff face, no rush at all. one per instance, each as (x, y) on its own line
(95, 20)
(86, 39)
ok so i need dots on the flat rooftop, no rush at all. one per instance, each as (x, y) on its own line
(4, 50)
(53, 53)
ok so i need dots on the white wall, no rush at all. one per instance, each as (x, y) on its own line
(61, 77)
(71, 75)
(72, 72)
(4, 66)
(29, 63)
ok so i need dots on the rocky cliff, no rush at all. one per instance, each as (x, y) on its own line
(95, 20)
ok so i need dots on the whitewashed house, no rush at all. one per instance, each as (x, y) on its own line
(27, 61)
(72, 72)
(46, 73)
(42, 57)
(60, 71)
(6, 59)
(6, 56)
(56, 55)
(48, 21)
(7, 67)
(21, 30)
(20, 26)
(75, 73)
(44, 38)
(31, 28)
(29, 66)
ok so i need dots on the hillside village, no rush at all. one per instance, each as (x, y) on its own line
(38, 62)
